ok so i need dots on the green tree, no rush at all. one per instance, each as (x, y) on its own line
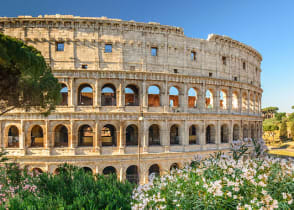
(292, 130)
(280, 115)
(25, 79)
(270, 125)
(283, 131)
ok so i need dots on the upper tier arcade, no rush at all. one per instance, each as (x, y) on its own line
(93, 44)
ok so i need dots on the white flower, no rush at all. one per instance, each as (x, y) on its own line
(290, 201)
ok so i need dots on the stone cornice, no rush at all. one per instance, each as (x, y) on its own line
(70, 21)
(152, 116)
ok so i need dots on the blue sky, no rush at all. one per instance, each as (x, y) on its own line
(266, 25)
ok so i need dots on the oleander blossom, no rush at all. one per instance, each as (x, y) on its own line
(246, 179)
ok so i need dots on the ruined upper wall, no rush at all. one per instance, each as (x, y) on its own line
(85, 38)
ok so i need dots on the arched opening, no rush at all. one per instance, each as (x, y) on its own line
(108, 95)
(37, 171)
(87, 170)
(132, 174)
(154, 169)
(210, 134)
(132, 96)
(236, 132)
(174, 166)
(174, 135)
(245, 131)
(13, 137)
(132, 135)
(37, 139)
(61, 136)
(252, 129)
(109, 170)
(208, 99)
(108, 135)
(235, 103)
(64, 95)
(223, 99)
(85, 136)
(192, 98)
(224, 134)
(85, 95)
(244, 102)
(173, 97)
(193, 135)
(154, 135)
(59, 170)
(153, 96)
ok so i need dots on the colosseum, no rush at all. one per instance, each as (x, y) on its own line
(137, 98)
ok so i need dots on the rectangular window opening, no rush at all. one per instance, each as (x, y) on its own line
(193, 56)
(236, 78)
(59, 46)
(176, 71)
(224, 59)
(84, 66)
(108, 48)
(244, 65)
(154, 51)
(210, 74)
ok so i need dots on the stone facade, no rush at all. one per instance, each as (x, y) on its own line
(139, 97)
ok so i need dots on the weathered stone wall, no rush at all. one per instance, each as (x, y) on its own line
(219, 64)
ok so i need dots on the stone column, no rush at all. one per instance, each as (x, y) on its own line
(72, 141)
(202, 129)
(121, 138)
(96, 139)
(121, 95)
(165, 98)
(71, 92)
(218, 133)
(216, 99)
(202, 98)
(231, 126)
(240, 102)
(46, 137)
(144, 135)
(144, 96)
(184, 99)
(98, 93)
(95, 94)
(21, 135)
(230, 100)
(248, 102)
(165, 137)
(185, 134)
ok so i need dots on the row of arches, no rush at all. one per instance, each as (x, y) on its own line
(109, 98)
(108, 135)
(132, 172)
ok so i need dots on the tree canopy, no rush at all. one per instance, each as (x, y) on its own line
(270, 109)
(25, 78)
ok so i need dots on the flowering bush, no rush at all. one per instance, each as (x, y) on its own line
(247, 179)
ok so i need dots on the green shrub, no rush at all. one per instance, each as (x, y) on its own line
(72, 188)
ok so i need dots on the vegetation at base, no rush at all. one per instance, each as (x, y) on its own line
(72, 188)
(242, 181)
(25, 79)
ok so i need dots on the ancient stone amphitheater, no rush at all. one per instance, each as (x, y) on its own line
(137, 97)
